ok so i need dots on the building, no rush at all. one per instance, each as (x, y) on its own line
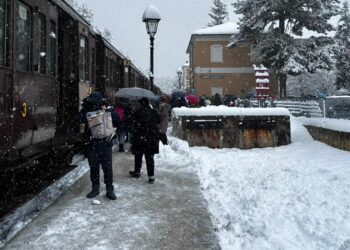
(215, 68)
(186, 76)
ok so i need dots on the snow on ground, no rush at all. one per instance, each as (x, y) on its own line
(291, 197)
(328, 123)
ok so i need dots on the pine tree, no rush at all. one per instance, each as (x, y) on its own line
(218, 13)
(270, 24)
(342, 37)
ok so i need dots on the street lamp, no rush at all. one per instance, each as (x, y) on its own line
(151, 18)
(179, 74)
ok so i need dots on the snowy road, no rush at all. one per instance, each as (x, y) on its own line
(292, 197)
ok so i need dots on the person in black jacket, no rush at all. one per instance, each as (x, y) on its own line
(99, 151)
(145, 139)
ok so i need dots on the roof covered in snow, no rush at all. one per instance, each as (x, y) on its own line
(228, 28)
(230, 111)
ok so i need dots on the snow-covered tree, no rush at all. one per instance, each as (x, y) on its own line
(271, 26)
(167, 84)
(86, 13)
(107, 34)
(342, 37)
(218, 13)
(315, 84)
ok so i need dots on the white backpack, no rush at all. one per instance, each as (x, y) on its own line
(100, 124)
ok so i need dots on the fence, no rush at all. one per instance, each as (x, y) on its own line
(300, 108)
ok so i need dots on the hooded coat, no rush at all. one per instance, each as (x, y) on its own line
(146, 122)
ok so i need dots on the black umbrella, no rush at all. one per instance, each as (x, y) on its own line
(134, 93)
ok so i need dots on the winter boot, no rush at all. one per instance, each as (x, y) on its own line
(110, 192)
(111, 195)
(121, 148)
(151, 179)
(134, 174)
(94, 191)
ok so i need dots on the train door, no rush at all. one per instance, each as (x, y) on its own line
(23, 79)
(43, 58)
(5, 76)
(84, 62)
(67, 74)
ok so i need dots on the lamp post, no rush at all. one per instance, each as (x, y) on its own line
(179, 74)
(151, 18)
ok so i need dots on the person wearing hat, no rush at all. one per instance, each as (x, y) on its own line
(145, 139)
(99, 151)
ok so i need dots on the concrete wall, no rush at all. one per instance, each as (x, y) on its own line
(333, 138)
(233, 131)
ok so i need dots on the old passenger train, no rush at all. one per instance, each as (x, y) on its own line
(50, 59)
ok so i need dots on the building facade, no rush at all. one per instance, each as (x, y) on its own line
(216, 68)
(186, 77)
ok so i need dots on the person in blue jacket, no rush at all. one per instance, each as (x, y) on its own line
(99, 151)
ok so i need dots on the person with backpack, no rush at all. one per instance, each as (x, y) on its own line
(96, 125)
(145, 138)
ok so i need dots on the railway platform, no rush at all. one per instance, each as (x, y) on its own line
(170, 214)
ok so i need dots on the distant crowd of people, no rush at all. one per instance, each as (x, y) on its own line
(216, 100)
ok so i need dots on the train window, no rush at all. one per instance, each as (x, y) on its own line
(42, 43)
(52, 49)
(111, 71)
(93, 63)
(83, 59)
(106, 67)
(23, 36)
(3, 28)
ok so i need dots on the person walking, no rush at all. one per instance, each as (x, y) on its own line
(164, 109)
(145, 138)
(217, 100)
(119, 109)
(99, 150)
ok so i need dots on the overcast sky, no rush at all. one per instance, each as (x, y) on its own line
(179, 19)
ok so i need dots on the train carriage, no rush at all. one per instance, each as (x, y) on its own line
(28, 41)
(109, 68)
(76, 69)
(50, 59)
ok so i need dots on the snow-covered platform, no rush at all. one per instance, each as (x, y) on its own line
(170, 214)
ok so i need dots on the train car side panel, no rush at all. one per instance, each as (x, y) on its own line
(5, 76)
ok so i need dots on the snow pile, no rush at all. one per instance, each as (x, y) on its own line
(327, 123)
(229, 111)
(289, 197)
